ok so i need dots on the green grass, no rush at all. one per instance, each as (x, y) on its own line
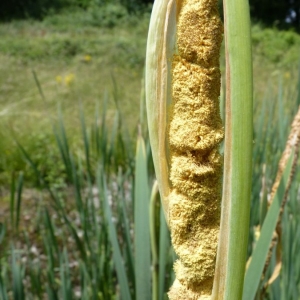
(81, 56)
(75, 60)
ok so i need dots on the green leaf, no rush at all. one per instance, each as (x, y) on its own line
(17, 276)
(164, 246)
(86, 142)
(117, 257)
(254, 271)
(141, 224)
(235, 215)
(66, 289)
(19, 198)
(127, 232)
(2, 232)
(12, 200)
(3, 293)
(154, 243)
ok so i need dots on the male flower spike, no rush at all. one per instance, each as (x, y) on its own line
(183, 88)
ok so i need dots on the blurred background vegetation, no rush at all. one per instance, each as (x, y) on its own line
(71, 108)
(282, 13)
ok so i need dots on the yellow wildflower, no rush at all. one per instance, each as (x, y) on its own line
(87, 58)
(69, 79)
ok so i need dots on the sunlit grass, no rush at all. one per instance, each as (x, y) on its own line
(74, 61)
(78, 57)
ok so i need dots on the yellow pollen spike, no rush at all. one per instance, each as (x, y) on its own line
(195, 132)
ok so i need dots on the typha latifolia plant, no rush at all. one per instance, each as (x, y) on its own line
(209, 228)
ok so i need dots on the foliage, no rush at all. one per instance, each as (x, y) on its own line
(50, 264)
(63, 245)
(282, 14)
(68, 62)
(47, 159)
(72, 54)
(29, 8)
(280, 47)
(39, 9)
(272, 126)
(276, 13)
(66, 251)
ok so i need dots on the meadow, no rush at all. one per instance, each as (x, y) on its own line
(75, 157)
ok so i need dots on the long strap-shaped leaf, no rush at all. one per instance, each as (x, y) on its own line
(141, 224)
(254, 271)
(117, 256)
(231, 257)
(158, 87)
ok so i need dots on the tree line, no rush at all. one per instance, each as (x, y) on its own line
(279, 13)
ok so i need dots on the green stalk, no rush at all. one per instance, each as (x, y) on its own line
(231, 256)
(169, 41)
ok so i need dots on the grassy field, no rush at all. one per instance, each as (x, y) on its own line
(84, 56)
(78, 57)
(91, 63)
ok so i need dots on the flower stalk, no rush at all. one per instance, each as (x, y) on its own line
(182, 91)
(194, 135)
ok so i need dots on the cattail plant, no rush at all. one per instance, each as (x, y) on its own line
(185, 127)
